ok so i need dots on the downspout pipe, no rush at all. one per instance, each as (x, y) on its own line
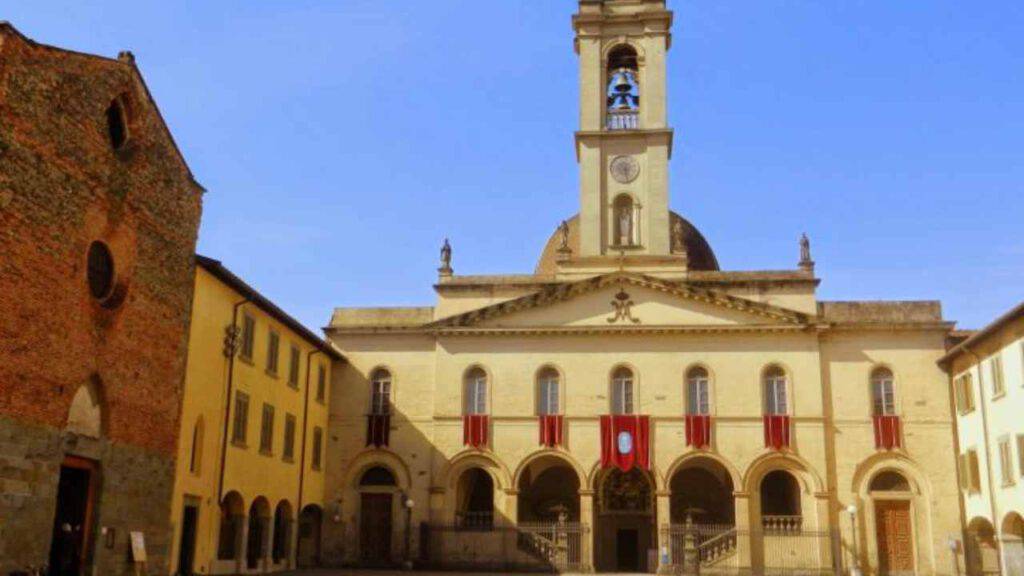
(305, 419)
(988, 454)
(230, 388)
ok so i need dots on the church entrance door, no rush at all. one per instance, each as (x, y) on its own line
(625, 536)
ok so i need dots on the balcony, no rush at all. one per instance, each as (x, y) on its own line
(622, 120)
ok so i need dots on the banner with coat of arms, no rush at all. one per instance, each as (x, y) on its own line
(625, 441)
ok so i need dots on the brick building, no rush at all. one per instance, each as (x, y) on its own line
(98, 221)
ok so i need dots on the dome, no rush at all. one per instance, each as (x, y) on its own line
(699, 253)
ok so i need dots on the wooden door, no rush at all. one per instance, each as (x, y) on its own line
(894, 534)
(72, 524)
(375, 528)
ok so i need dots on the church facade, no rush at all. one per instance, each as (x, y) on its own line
(631, 405)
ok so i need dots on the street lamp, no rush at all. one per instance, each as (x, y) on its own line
(852, 511)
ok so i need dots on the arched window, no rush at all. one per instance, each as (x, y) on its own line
(698, 391)
(776, 391)
(196, 458)
(883, 392)
(626, 221)
(117, 122)
(377, 476)
(622, 391)
(475, 385)
(780, 502)
(623, 89)
(380, 392)
(889, 481)
(548, 392)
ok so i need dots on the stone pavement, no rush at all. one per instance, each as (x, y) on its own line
(354, 572)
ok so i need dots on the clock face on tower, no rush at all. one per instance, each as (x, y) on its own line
(624, 169)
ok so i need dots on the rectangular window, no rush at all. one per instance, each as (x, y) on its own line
(775, 396)
(241, 422)
(698, 400)
(267, 430)
(289, 438)
(995, 366)
(273, 344)
(549, 388)
(321, 383)
(318, 446)
(1020, 455)
(293, 368)
(973, 472)
(964, 388)
(248, 336)
(1006, 461)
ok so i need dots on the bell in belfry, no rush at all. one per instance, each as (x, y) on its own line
(622, 85)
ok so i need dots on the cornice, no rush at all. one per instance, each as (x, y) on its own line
(650, 133)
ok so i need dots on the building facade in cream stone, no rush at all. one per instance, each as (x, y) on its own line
(987, 375)
(631, 405)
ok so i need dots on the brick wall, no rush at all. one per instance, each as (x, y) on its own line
(63, 186)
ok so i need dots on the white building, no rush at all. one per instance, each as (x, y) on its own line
(987, 376)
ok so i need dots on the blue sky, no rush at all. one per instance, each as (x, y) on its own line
(341, 141)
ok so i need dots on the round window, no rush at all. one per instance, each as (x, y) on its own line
(100, 271)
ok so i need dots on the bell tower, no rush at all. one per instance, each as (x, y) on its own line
(623, 144)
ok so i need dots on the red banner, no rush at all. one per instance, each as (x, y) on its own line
(474, 430)
(887, 432)
(378, 429)
(625, 441)
(698, 430)
(776, 431)
(550, 430)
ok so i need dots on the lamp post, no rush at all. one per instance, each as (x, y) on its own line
(854, 567)
(408, 503)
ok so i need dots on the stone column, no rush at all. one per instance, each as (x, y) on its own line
(511, 507)
(588, 525)
(662, 520)
(744, 531)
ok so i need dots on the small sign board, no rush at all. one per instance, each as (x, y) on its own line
(138, 546)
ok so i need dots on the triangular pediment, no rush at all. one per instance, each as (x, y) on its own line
(624, 300)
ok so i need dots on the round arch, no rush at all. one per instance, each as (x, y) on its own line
(562, 455)
(475, 459)
(810, 481)
(614, 43)
(377, 457)
(887, 461)
(687, 460)
(595, 476)
(541, 370)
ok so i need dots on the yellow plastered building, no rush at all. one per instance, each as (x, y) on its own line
(766, 430)
(248, 494)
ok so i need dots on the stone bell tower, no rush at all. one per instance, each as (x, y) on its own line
(623, 144)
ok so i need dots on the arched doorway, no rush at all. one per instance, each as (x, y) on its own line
(703, 515)
(626, 521)
(1012, 536)
(232, 522)
(307, 553)
(377, 489)
(548, 510)
(892, 499)
(474, 505)
(259, 529)
(280, 551)
(981, 551)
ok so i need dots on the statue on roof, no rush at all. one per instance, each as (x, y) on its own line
(678, 236)
(805, 253)
(563, 230)
(446, 258)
